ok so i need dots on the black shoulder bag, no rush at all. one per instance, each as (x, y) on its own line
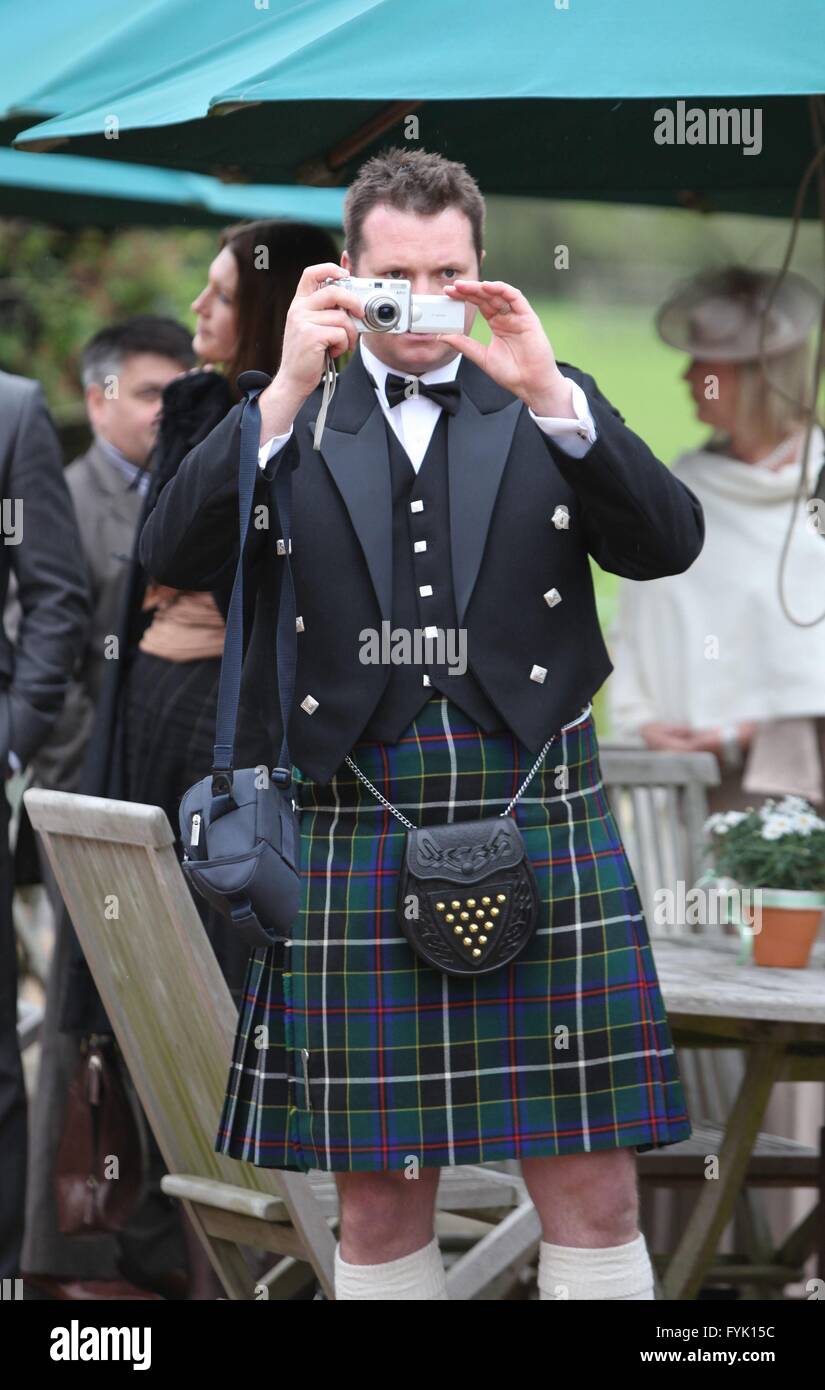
(240, 828)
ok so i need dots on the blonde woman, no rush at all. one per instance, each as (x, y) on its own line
(711, 661)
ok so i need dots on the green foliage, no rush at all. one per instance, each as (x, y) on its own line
(59, 286)
(780, 845)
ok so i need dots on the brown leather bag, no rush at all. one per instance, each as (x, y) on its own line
(99, 1124)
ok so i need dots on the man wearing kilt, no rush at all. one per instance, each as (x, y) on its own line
(467, 505)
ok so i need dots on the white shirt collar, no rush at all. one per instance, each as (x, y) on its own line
(379, 370)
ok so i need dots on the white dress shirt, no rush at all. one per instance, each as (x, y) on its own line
(414, 418)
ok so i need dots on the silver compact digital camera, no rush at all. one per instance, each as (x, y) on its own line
(391, 307)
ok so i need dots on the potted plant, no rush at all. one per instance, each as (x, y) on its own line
(780, 849)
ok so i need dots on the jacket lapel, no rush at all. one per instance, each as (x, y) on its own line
(479, 438)
(354, 449)
(126, 502)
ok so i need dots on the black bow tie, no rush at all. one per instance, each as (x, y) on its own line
(404, 388)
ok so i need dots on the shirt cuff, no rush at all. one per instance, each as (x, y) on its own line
(271, 447)
(575, 437)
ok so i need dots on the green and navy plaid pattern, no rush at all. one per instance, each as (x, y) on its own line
(351, 1054)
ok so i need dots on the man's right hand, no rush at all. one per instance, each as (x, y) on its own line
(318, 319)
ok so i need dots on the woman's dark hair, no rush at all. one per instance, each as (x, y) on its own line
(271, 257)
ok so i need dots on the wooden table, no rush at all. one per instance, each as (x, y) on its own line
(778, 1017)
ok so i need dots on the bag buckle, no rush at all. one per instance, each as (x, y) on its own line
(281, 776)
(221, 782)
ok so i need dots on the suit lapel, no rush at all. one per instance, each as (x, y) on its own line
(479, 438)
(354, 449)
(126, 502)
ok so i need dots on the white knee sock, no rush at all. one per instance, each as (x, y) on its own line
(416, 1276)
(612, 1272)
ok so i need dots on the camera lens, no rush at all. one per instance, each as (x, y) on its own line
(382, 313)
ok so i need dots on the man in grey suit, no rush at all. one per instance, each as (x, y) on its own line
(125, 369)
(41, 547)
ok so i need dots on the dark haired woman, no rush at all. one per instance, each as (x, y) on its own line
(155, 725)
(169, 702)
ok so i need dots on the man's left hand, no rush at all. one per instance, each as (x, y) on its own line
(519, 356)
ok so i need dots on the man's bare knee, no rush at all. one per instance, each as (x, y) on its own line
(385, 1215)
(587, 1198)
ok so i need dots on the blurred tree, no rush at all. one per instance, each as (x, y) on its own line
(58, 286)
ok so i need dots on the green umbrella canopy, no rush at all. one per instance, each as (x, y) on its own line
(70, 190)
(47, 45)
(536, 98)
(69, 43)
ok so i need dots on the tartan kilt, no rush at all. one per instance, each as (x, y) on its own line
(352, 1054)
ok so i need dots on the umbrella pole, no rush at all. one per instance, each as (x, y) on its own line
(328, 169)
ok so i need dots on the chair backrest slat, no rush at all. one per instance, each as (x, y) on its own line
(659, 800)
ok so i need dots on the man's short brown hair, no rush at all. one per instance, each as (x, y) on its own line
(411, 181)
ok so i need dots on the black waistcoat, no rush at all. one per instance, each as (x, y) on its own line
(406, 693)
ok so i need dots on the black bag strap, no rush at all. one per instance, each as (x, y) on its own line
(286, 644)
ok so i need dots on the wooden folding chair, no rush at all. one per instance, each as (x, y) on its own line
(174, 1021)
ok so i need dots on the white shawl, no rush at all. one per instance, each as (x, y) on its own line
(712, 646)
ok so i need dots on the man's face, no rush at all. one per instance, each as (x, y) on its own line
(127, 412)
(430, 252)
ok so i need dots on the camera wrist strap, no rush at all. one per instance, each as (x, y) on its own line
(329, 380)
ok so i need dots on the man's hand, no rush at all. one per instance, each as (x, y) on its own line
(317, 320)
(519, 357)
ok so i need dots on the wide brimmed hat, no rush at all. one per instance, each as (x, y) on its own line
(718, 314)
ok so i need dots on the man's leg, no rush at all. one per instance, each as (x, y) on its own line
(13, 1113)
(387, 1248)
(588, 1206)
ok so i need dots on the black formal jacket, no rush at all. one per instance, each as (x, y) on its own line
(506, 478)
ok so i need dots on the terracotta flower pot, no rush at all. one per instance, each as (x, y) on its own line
(790, 920)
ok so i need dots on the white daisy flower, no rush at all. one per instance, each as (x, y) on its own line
(771, 831)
